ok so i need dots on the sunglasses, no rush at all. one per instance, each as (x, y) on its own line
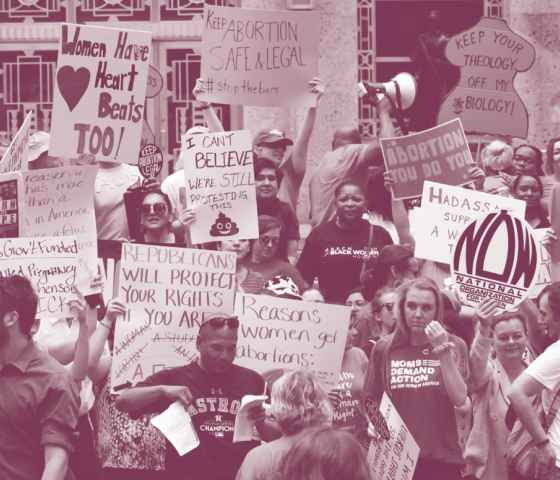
(266, 240)
(388, 306)
(157, 208)
(220, 322)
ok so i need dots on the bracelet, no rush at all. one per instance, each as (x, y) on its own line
(542, 443)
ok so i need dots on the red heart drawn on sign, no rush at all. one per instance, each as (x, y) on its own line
(72, 84)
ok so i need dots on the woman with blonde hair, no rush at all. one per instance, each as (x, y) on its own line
(422, 368)
(297, 402)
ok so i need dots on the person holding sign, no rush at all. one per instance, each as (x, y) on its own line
(337, 252)
(491, 379)
(424, 370)
(210, 389)
(156, 220)
(39, 401)
(273, 144)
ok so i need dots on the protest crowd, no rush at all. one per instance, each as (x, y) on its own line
(233, 343)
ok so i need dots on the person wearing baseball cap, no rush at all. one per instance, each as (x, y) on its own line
(272, 143)
(210, 388)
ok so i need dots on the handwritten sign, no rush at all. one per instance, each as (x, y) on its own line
(50, 263)
(15, 158)
(444, 213)
(396, 458)
(59, 202)
(440, 154)
(259, 57)
(291, 334)
(166, 291)
(99, 92)
(220, 183)
(11, 204)
(490, 54)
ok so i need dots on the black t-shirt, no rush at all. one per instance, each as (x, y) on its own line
(216, 400)
(336, 255)
(281, 210)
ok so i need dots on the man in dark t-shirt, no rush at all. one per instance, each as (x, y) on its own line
(211, 389)
(267, 181)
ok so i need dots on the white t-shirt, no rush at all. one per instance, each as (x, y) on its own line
(110, 214)
(546, 370)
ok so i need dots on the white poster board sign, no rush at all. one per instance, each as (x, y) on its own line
(220, 184)
(166, 291)
(444, 213)
(396, 458)
(277, 333)
(15, 158)
(259, 57)
(59, 202)
(99, 92)
(50, 263)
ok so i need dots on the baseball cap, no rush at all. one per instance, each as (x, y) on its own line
(392, 254)
(38, 143)
(272, 137)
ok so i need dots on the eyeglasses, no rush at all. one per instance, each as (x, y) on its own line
(157, 208)
(388, 306)
(219, 322)
(266, 240)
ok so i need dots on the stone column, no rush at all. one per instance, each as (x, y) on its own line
(338, 67)
(539, 22)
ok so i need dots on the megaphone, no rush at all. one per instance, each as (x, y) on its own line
(401, 89)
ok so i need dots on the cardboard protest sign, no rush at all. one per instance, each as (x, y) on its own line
(259, 57)
(277, 333)
(444, 213)
(544, 269)
(490, 54)
(99, 92)
(50, 263)
(166, 290)
(11, 204)
(15, 158)
(59, 202)
(440, 154)
(220, 184)
(396, 457)
(496, 256)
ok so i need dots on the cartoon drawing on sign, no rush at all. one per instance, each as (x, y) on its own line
(482, 268)
(490, 55)
(223, 226)
(72, 84)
